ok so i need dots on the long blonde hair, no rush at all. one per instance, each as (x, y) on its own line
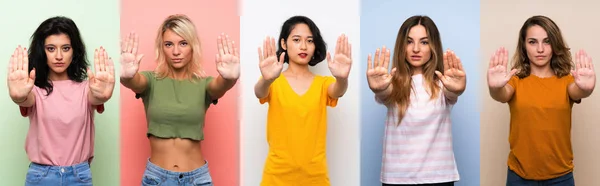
(184, 27)
(402, 79)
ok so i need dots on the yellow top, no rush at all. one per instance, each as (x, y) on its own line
(296, 133)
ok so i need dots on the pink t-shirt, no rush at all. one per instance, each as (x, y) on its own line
(419, 150)
(61, 130)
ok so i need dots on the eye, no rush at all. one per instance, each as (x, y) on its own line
(547, 41)
(532, 42)
(310, 40)
(184, 44)
(168, 44)
(295, 39)
(424, 42)
(50, 49)
(66, 49)
(409, 42)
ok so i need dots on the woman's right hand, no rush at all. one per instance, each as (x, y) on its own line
(20, 80)
(498, 76)
(378, 75)
(270, 68)
(130, 59)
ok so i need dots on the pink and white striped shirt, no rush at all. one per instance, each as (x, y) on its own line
(419, 150)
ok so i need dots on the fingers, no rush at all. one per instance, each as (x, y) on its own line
(13, 60)
(445, 61)
(130, 41)
(281, 58)
(338, 45)
(349, 50)
(346, 45)
(25, 60)
(136, 41)
(440, 76)
(260, 55)
(377, 60)
(273, 47)
(369, 61)
(217, 59)
(235, 51)
(386, 59)
(110, 67)
(32, 75)
(459, 64)
(393, 71)
(220, 46)
(91, 75)
(96, 60)
(103, 59)
(20, 59)
(504, 57)
(267, 48)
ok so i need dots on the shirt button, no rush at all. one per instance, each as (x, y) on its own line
(62, 170)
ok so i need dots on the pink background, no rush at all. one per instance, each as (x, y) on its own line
(221, 144)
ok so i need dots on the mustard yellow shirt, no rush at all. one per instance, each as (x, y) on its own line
(296, 133)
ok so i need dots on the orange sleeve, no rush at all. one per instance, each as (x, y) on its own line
(513, 82)
(332, 102)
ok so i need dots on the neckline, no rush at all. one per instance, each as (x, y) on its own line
(292, 89)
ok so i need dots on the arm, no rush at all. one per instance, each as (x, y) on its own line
(584, 77)
(261, 89)
(576, 93)
(137, 84)
(27, 101)
(218, 87)
(503, 94)
(338, 89)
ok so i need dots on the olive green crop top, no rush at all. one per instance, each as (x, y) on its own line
(175, 108)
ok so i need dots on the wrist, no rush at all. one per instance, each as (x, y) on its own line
(22, 100)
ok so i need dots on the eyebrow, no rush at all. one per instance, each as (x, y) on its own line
(301, 36)
(420, 39)
(531, 38)
(48, 45)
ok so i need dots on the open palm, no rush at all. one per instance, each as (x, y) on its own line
(584, 75)
(228, 60)
(270, 68)
(498, 75)
(342, 61)
(454, 77)
(130, 59)
(20, 81)
(378, 75)
(102, 81)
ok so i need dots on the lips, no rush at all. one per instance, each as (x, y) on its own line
(415, 57)
(59, 64)
(303, 55)
(177, 60)
(540, 57)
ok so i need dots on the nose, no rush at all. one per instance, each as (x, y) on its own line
(59, 55)
(416, 48)
(303, 45)
(540, 48)
(176, 51)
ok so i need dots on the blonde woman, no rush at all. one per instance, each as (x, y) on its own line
(176, 96)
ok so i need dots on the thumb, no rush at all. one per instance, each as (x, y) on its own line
(90, 75)
(328, 57)
(439, 75)
(139, 58)
(393, 71)
(512, 73)
(281, 57)
(31, 77)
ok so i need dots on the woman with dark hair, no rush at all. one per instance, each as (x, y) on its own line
(49, 85)
(540, 91)
(298, 100)
(417, 145)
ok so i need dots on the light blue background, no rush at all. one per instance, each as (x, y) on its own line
(458, 23)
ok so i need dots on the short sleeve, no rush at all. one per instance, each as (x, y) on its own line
(268, 97)
(513, 82)
(568, 79)
(332, 102)
(150, 78)
(208, 99)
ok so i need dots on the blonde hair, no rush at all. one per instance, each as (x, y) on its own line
(183, 27)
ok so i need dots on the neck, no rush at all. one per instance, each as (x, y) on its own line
(542, 71)
(178, 73)
(417, 70)
(53, 76)
(296, 69)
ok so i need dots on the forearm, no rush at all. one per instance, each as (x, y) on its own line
(502, 95)
(339, 88)
(576, 93)
(136, 84)
(27, 101)
(261, 89)
(219, 86)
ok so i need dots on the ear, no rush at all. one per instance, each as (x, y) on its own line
(283, 45)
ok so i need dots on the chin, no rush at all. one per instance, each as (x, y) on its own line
(416, 63)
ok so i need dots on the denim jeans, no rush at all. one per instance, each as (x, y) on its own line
(513, 179)
(75, 175)
(154, 175)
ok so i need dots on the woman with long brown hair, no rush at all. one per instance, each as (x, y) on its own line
(540, 90)
(419, 97)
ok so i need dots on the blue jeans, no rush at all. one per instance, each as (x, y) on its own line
(154, 175)
(513, 179)
(76, 175)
